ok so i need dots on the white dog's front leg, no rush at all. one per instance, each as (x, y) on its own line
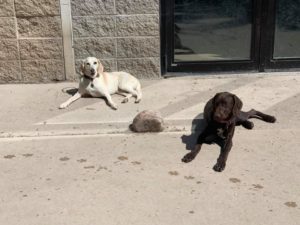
(110, 101)
(70, 100)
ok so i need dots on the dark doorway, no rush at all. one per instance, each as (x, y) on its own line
(230, 35)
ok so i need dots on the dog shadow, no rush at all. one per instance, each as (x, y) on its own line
(198, 125)
(70, 90)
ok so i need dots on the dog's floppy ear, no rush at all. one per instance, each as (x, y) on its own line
(82, 69)
(238, 104)
(100, 67)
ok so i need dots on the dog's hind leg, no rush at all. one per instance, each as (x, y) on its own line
(127, 97)
(139, 93)
(259, 115)
(133, 92)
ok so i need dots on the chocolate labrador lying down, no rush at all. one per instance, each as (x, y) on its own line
(221, 114)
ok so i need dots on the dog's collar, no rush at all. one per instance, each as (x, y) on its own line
(90, 78)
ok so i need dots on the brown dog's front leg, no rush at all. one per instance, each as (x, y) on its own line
(191, 155)
(225, 149)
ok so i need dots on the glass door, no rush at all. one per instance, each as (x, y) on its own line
(230, 35)
(282, 35)
(212, 35)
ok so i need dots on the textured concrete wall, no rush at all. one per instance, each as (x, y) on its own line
(123, 34)
(30, 41)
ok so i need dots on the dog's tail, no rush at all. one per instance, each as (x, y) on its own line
(139, 92)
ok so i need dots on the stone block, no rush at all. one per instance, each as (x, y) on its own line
(9, 50)
(37, 8)
(7, 8)
(96, 47)
(102, 26)
(92, 7)
(31, 49)
(40, 26)
(137, 25)
(7, 27)
(141, 68)
(137, 6)
(36, 71)
(147, 121)
(138, 47)
(10, 72)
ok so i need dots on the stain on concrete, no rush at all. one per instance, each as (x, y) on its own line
(102, 168)
(64, 159)
(122, 158)
(191, 212)
(198, 182)
(257, 186)
(189, 177)
(81, 160)
(291, 204)
(89, 167)
(25, 196)
(9, 156)
(173, 173)
(27, 155)
(234, 180)
(136, 163)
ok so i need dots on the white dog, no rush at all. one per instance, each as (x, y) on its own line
(97, 83)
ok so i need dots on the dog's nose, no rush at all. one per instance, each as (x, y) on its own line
(92, 70)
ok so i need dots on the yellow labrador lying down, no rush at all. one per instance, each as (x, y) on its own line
(97, 83)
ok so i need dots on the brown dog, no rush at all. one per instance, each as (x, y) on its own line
(222, 113)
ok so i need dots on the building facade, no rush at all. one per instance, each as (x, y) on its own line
(45, 41)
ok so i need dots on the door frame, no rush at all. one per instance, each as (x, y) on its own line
(267, 62)
(262, 44)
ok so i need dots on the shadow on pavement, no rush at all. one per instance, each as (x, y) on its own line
(198, 124)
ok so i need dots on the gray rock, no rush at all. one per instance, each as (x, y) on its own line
(147, 121)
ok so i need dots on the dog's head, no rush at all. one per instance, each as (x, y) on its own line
(225, 107)
(91, 67)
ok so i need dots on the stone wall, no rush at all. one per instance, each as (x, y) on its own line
(30, 41)
(123, 34)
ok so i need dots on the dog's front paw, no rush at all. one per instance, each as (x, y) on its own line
(114, 107)
(188, 157)
(63, 106)
(220, 166)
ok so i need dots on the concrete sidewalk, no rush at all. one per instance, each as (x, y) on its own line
(31, 110)
(82, 166)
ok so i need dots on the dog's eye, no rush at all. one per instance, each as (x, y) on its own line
(88, 64)
(95, 63)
